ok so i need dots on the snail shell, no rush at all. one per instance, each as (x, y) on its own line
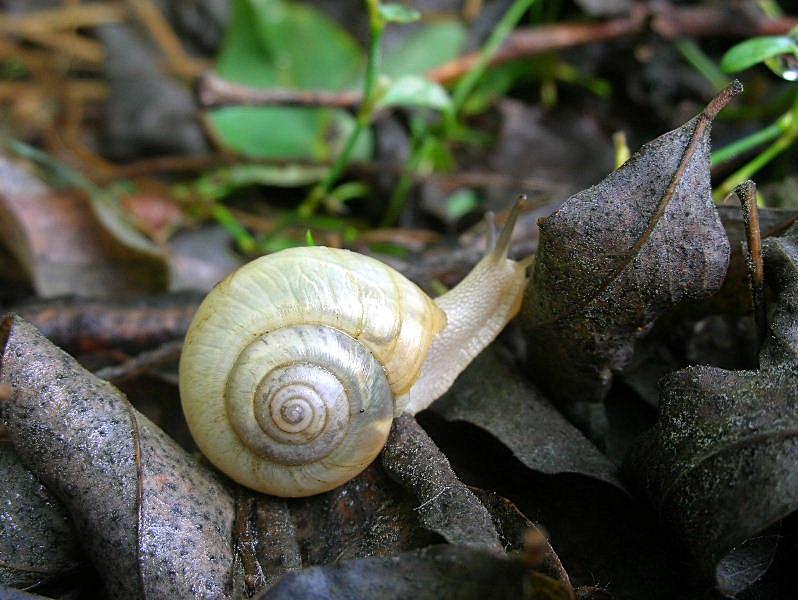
(291, 366)
(295, 365)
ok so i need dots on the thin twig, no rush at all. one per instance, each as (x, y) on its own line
(82, 90)
(177, 163)
(35, 60)
(70, 44)
(672, 22)
(668, 21)
(662, 18)
(62, 18)
(214, 91)
(526, 42)
(164, 354)
(719, 102)
(746, 192)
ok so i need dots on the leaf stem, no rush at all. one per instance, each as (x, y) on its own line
(404, 185)
(461, 92)
(785, 139)
(698, 59)
(240, 234)
(772, 131)
(364, 116)
(503, 28)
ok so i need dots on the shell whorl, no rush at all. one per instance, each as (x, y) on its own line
(291, 366)
(321, 408)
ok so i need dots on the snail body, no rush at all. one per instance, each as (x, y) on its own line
(295, 365)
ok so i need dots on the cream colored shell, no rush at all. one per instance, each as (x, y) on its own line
(358, 296)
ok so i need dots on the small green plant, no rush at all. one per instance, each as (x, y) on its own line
(412, 91)
(780, 55)
(426, 143)
(283, 44)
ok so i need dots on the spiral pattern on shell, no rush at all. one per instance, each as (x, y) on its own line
(291, 366)
(321, 402)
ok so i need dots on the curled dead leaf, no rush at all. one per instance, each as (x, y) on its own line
(154, 521)
(721, 465)
(616, 256)
(37, 543)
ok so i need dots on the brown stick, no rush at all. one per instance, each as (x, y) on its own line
(214, 91)
(719, 102)
(83, 326)
(525, 42)
(75, 89)
(746, 192)
(664, 19)
(702, 21)
(165, 354)
(63, 18)
(71, 44)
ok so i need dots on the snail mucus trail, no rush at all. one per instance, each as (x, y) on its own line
(295, 365)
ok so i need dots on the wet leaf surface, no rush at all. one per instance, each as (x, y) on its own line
(517, 532)
(69, 245)
(155, 522)
(37, 543)
(720, 466)
(603, 536)
(493, 395)
(151, 518)
(448, 571)
(616, 256)
(445, 505)
(372, 515)
(368, 516)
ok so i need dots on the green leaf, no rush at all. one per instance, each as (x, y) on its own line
(461, 203)
(428, 47)
(286, 132)
(307, 49)
(309, 241)
(413, 91)
(496, 83)
(222, 182)
(398, 13)
(756, 50)
(243, 59)
(272, 43)
(272, 132)
(240, 234)
(349, 191)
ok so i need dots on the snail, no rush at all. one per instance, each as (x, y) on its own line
(295, 365)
